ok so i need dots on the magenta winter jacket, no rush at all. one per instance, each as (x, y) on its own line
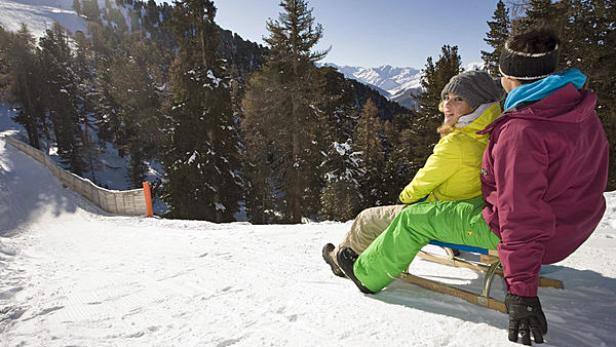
(543, 176)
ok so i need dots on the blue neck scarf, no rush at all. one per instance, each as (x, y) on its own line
(544, 87)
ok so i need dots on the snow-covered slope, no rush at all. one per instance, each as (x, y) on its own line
(39, 15)
(71, 275)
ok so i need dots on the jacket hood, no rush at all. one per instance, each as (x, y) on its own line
(487, 114)
(568, 105)
(565, 105)
(543, 88)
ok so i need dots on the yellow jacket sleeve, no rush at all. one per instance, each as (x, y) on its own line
(445, 160)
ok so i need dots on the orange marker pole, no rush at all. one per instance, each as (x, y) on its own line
(147, 191)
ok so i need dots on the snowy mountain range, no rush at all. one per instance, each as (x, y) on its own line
(386, 77)
(399, 84)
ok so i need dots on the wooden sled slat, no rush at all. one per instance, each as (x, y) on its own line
(446, 289)
(457, 262)
(488, 265)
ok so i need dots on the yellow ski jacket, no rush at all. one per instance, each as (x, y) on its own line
(452, 170)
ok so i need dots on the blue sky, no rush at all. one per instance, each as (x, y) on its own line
(371, 33)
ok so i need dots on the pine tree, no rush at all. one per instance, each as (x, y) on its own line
(135, 92)
(106, 109)
(540, 13)
(500, 27)
(433, 80)
(152, 18)
(84, 79)
(201, 160)
(427, 102)
(106, 45)
(587, 33)
(398, 164)
(604, 80)
(368, 141)
(589, 43)
(4, 59)
(342, 105)
(292, 110)
(261, 158)
(340, 198)
(115, 18)
(77, 7)
(60, 90)
(91, 10)
(24, 85)
(447, 66)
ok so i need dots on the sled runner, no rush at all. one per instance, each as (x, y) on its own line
(489, 264)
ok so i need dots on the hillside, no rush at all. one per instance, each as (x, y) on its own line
(39, 15)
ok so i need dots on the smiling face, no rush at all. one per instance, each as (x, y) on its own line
(454, 107)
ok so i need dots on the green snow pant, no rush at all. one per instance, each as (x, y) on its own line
(458, 222)
(368, 225)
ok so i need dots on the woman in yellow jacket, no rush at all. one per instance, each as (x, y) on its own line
(470, 102)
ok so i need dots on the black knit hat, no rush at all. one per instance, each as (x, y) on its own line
(475, 87)
(529, 64)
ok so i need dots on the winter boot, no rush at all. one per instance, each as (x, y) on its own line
(346, 258)
(329, 257)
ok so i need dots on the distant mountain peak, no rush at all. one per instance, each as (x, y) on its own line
(386, 77)
(399, 84)
(388, 80)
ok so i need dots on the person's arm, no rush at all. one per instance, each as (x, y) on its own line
(445, 160)
(526, 220)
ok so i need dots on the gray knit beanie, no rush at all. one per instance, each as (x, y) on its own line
(475, 87)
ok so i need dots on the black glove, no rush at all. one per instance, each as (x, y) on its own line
(525, 315)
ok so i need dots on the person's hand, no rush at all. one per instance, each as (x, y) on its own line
(525, 316)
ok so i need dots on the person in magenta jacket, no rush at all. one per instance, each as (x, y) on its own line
(543, 176)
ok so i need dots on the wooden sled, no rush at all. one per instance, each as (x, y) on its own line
(489, 264)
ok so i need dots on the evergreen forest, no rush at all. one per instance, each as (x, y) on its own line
(266, 131)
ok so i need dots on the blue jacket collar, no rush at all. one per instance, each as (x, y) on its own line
(544, 87)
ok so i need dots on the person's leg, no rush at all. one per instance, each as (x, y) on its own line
(391, 253)
(368, 225)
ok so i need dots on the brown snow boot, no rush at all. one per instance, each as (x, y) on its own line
(330, 258)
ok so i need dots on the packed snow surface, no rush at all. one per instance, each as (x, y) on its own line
(73, 275)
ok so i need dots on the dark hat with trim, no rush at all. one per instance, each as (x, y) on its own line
(520, 65)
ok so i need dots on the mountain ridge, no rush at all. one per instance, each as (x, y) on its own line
(399, 84)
